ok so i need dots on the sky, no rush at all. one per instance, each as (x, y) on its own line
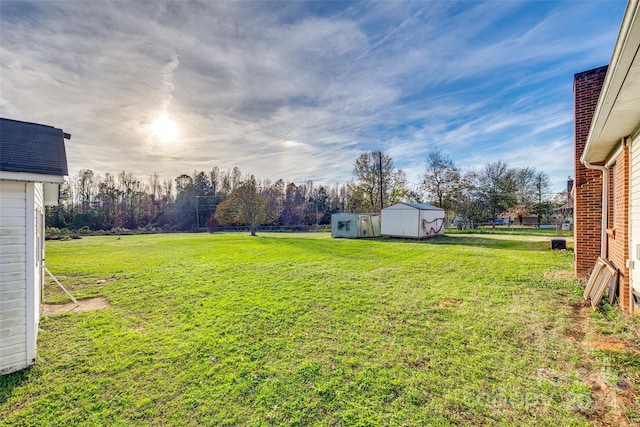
(297, 90)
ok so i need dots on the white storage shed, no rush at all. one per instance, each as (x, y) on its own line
(33, 164)
(412, 220)
(354, 225)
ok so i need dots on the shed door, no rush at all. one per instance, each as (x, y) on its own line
(39, 258)
(634, 215)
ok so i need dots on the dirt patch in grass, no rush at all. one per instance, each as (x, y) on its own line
(604, 342)
(606, 408)
(559, 275)
(89, 304)
(450, 303)
(609, 400)
(97, 282)
(579, 316)
(633, 344)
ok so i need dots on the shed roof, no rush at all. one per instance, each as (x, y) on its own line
(32, 148)
(421, 206)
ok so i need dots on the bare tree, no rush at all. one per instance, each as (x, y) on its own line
(294, 205)
(562, 209)
(497, 188)
(468, 207)
(155, 188)
(236, 178)
(108, 198)
(214, 176)
(167, 190)
(377, 183)
(85, 188)
(274, 196)
(441, 180)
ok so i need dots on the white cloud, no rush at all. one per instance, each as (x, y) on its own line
(285, 91)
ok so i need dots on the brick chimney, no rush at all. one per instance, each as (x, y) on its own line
(587, 208)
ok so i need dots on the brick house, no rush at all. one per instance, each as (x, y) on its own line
(607, 163)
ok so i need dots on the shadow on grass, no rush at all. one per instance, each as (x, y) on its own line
(476, 242)
(543, 232)
(13, 380)
(491, 241)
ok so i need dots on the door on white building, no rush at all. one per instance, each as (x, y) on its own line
(39, 273)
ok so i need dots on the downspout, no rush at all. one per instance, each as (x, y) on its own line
(605, 205)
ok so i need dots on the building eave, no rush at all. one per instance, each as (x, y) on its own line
(617, 113)
(31, 177)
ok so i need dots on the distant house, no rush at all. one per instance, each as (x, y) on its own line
(412, 220)
(529, 220)
(607, 164)
(354, 225)
(33, 163)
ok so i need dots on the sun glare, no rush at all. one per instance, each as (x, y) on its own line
(164, 129)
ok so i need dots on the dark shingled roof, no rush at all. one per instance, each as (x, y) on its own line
(32, 148)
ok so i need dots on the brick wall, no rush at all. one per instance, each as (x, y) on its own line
(618, 231)
(588, 193)
(588, 183)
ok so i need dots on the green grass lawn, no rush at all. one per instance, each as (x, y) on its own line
(302, 329)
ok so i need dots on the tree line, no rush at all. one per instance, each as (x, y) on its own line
(188, 202)
(218, 198)
(475, 196)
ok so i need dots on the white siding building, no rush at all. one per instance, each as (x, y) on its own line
(412, 220)
(32, 166)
